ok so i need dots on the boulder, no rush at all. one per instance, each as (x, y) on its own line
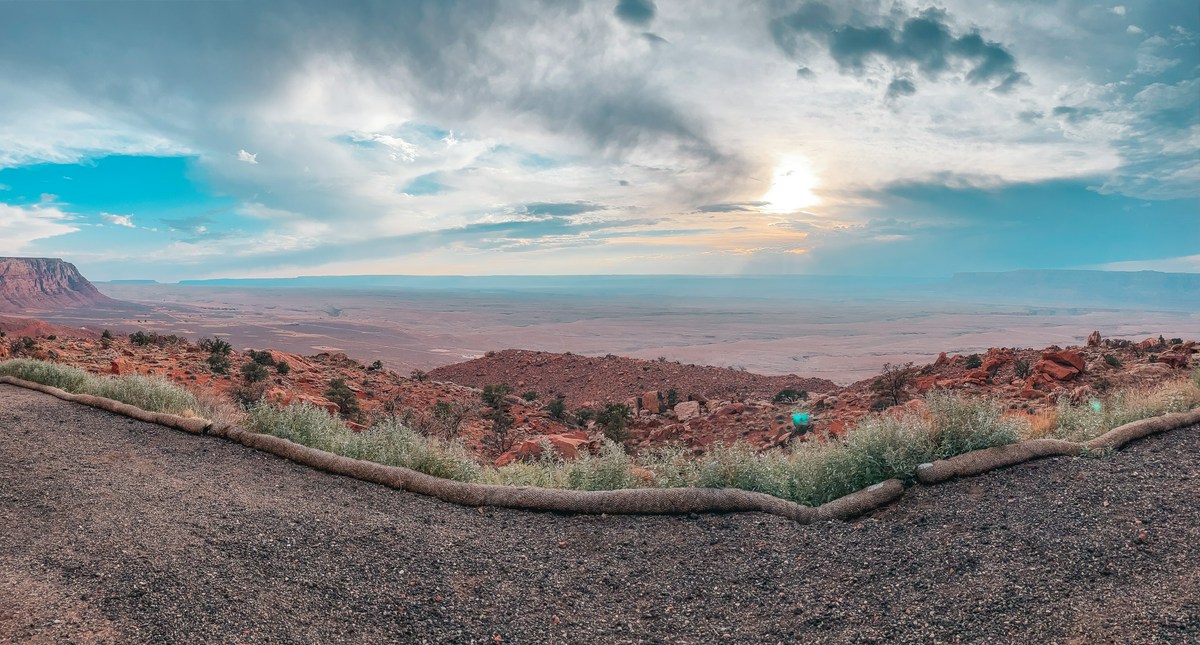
(1055, 370)
(120, 366)
(926, 383)
(652, 402)
(1067, 358)
(1094, 339)
(1176, 359)
(1149, 343)
(995, 359)
(687, 410)
(941, 359)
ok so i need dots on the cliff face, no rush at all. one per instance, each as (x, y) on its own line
(44, 284)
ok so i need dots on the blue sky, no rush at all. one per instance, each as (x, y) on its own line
(226, 139)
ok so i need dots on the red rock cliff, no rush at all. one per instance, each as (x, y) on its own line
(44, 284)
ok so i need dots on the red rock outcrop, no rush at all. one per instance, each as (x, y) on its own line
(45, 284)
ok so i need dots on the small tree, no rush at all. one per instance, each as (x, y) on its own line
(341, 394)
(1021, 368)
(262, 358)
(376, 366)
(893, 384)
(973, 361)
(282, 367)
(530, 396)
(417, 375)
(106, 334)
(672, 398)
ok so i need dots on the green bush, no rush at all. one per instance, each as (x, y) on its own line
(1112, 360)
(961, 424)
(974, 361)
(215, 346)
(283, 368)
(253, 372)
(1021, 368)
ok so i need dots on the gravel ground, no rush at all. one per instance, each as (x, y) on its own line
(113, 530)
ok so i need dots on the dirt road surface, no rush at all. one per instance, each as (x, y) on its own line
(113, 530)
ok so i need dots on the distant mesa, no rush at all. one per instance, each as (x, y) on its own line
(45, 284)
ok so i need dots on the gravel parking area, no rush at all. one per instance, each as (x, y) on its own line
(113, 530)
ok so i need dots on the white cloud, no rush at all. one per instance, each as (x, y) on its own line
(400, 150)
(119, 220)
(247, 157)
(1118, 10)
(1134, 29)
(20, 225)
(1182, 264)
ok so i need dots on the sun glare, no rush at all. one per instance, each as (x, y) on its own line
(792, 186)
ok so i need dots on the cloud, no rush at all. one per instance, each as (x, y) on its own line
(1118, 10)
(119, 220)
(1074, 114)
(635, 12)
(924, 41)
(732, 207)
(21, 225)
(247, 157)
(542, 209)
(900, 87)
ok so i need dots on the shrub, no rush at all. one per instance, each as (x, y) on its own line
(107, 335)
(63, 377)
(672, 397)
(52, 337)
(263, 358)
(1021, 368)
(530, 396)
(1175, 341)
(1112, 360)
(961, 424)
(282, 367)
(376, 366)
(142, 338)
(493, 395)
(1153, 358)
(974, 361)
(790, 396)
(557, 408)
(218, 363)
(614, 418)
(417, 375)
(253, 372)
(583, 415)
(215, 346)
(341, 394)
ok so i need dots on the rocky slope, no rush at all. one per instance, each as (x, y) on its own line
(587, 380)
(44, 284)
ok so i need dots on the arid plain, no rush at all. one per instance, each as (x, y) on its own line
(840, 339)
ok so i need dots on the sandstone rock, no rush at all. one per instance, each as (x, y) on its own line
(1055, 370)
(941, 360)
(1093, 339)
(121, 366)
(687, 410)
(652, 401)
(925, 383)
(641, 474)
(995, 359)
(1176, 359)
(1149, 343)
(1067, 358)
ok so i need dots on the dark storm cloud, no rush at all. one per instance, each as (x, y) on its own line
(655, 39)
(635, 12)
(804, 72)
(900, 87)
(924, 41)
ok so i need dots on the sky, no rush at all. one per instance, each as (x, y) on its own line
(174, 140)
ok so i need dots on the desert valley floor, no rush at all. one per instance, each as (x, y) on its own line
(843, 340)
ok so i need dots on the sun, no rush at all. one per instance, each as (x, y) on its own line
(792, 186)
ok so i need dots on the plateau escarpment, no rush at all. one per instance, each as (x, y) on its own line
(45, 284)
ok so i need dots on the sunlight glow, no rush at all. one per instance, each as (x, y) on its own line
(792, 186)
